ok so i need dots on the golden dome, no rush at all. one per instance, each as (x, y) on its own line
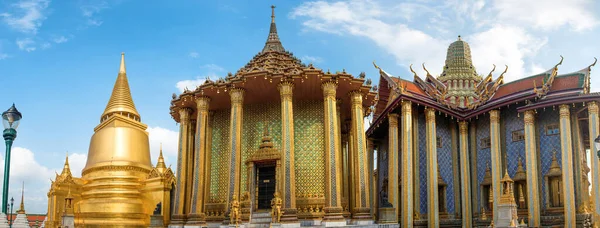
(120, 139)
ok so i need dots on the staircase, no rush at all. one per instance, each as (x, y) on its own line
(260, 219)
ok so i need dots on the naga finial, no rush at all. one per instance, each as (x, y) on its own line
(560, 63)
(413, 71)
(593, 64)
(505, 69)
(428, 74)
(493, 69)
(377, 67)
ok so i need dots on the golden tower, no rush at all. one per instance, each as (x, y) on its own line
(118, 163)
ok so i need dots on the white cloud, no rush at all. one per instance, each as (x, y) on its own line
(3, 56)
(212, 67)
(60, 39)
(189, 84)
(169, 140)
(26, 44)
(194, 54)
(311, 59)
(28, 15)
(77, 163)
(548, 14)
(46, 45)
(90, 11)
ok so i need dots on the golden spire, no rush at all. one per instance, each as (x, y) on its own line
(273, 43)
(66, 169)
(120, 101)
(22, 207)
(160, 165)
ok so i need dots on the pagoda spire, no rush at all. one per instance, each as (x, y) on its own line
(273, 43)
(160, 165)
(66, 168)
(22, 206)
(120, 101)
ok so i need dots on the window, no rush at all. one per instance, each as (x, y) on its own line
(552, 129)
(518, 135)
(438, 141)
(486, 143)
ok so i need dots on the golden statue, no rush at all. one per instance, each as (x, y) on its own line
(235, 211)
(276, 208)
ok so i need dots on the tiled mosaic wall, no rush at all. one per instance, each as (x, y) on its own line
(382, 161)
(483, 154)
(255, 116)
(422, 163)
(309, 146)
(219, 155)
(548, 144)
(444, 155)
(514, 149)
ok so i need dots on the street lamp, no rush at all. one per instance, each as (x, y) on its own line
(597, 144)
(12, 201)
(10, 120)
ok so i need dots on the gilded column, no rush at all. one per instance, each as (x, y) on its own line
(333, 206)
(235, 143)
(465, 173)
(407, 165)
(393, 154)
(362, 204)
(432, 177)
(531, 160)
(190, 166)
(370, 153)
(567, 165)
(196, 215)
(594, 130)
(495, 157)
(207, 168)
(287, 147)
(179, 213)
(473, 153)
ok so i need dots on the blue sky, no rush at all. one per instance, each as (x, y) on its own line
(59, 59)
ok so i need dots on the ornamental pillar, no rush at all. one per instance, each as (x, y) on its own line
(333, 204)
(407, 165)
(594, 130)
(465, 172)
(566, 147)
(196, 215)
(370, 152)
(287, 147)
(179, 212)
(432, 164)
(533, 179)
(207, 167)
(235, 144)
(495, 157)
(362, 203)
(393, 154)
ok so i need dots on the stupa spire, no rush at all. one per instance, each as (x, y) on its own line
(66, 168)
(120, 101)
(273, 43)
(160, 165)
(22, 206)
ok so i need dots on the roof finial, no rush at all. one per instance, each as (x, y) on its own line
(22, 206)
(120, 100)
(272, 14)
(459, 38)
(160, 164)
(122, 67)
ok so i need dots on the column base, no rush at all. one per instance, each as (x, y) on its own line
(196, 220)
(333, 217)
(387, 215)
(361, 213)
(178, 220)
(289, 216)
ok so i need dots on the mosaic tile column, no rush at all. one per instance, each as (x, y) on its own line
(370, 153)
(235, 144)
(533, 179)
(595, 169)
(208, 163)
(567, 165)
(473, 154)
(433, 219)
(362, 203)
(196, 214)
(393, 154)
(407, 165)
(333, 206)
(287, 147)
(495, 157)
(179, 213)
(465, 173)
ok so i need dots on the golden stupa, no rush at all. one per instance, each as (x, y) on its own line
(119, 186)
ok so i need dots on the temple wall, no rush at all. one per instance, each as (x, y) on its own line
(309, 146)
(514, 149)
(483, 154)
(548, 144)
(422, 163)
(219, 155)
(255, 116)
(382, 161)
(444, 155)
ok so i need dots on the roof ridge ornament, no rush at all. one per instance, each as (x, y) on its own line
(547, 83)
(587, 81)
(273, 43)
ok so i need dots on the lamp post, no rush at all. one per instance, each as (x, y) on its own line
(10, 120)
(12, 201)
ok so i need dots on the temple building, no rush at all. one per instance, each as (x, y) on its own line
(276, 129)
(119, 186)
(464, 149)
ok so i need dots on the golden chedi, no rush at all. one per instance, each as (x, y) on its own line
(119, 186)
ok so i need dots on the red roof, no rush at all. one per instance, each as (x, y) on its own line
(31, 218)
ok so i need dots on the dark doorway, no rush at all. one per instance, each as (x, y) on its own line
(266, 186)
